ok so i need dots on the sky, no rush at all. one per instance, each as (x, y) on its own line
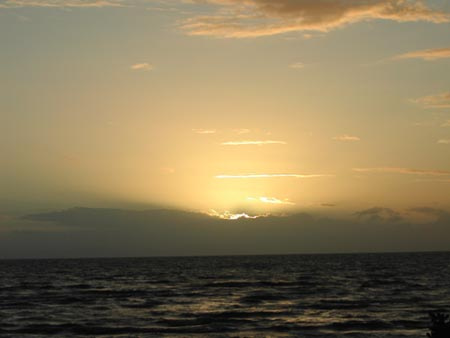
(226, 108)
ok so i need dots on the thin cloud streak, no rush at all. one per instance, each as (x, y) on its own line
(346, 138)
(204, 131)
(142, 66)
(258, 143)
(255, 18)
(426, 54)
(441, 100)
(270, 200)
(271, 176)
(407, 171)
(444, 141)
(242, 131)
(297, 65)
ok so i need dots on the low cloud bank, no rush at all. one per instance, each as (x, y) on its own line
(87, 232)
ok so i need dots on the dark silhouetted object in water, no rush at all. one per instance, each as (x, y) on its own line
(440, 325)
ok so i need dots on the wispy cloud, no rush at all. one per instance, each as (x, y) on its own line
(446, 124)
(441, 100)
(272, 176)
(407, 171)
(426, 54)
(346, 138)
(444, 141)
(62, 3)
(241, 131)
(424, 124)
(204, 131)
(257, 143)
(163, 9)
(297, 65)
(142, 66)
(270, 200)
(254, 18)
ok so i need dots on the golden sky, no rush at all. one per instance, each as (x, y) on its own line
(253, 106)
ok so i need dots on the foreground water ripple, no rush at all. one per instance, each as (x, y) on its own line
(355, 295)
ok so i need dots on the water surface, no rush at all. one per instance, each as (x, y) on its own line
(357, 295)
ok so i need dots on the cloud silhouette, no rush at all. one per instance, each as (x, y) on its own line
(377, 214)
(443, 215)
(87, 232)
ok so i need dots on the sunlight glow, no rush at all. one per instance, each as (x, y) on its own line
(204, 131)
(257, 143)
(271, 176)
(230, 216)
(270, 200)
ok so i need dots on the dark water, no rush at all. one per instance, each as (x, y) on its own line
(363, 295)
